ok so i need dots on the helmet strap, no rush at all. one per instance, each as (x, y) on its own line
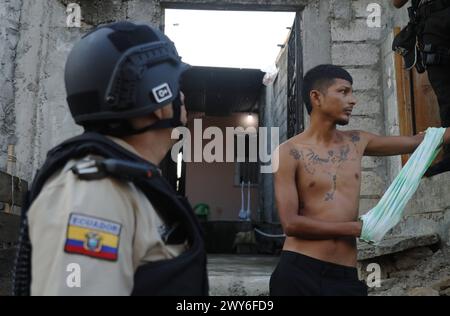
(175, 121)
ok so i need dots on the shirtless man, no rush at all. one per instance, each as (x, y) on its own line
(317, 188)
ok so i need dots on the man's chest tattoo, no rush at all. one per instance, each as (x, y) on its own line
(355, 138)
(296, 154)
(329, 196)
(314, 163)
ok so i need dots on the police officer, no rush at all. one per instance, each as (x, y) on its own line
(99, 218)
(433, 31)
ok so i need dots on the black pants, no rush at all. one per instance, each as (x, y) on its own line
(299, 275)
(436, 31)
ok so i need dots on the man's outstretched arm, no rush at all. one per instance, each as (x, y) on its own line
(287, 199)
(399, 3)
(395, 145)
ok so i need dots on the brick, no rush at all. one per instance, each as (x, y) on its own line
(357, 31)
(372, 184)
(342, 9)
(355, 54)
(365, 79)
(372, 162)
(366, 205)
(368, 103)
(368, 124)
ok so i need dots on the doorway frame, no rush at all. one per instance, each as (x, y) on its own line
(168, 166)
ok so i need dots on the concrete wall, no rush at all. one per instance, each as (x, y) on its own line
(428, 212)
(41, 115)
(316, 34)
(96, 12)
(10, 16)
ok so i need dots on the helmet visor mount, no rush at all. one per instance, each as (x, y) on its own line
(120, 94)
(130, 69)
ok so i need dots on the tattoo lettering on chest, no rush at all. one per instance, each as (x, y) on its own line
(336, 158)
(315, 158)
(314, 162)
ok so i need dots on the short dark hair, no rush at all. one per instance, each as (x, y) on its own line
(321, 78)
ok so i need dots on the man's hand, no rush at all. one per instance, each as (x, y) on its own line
(359, 228)
(447, 136)
(399, 3)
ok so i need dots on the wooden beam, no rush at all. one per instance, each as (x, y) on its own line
(12, 194)
(9, 227)
(426, 105)
(405, 116)
(244, 5)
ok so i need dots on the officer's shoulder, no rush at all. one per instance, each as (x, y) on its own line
(81, 173)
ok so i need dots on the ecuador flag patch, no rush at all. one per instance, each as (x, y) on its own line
(92, 237)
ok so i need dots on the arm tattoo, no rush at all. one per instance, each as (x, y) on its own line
(355, 137)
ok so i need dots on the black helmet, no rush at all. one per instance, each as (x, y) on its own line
(120, 71)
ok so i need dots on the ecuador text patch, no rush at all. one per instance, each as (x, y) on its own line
(93, 237)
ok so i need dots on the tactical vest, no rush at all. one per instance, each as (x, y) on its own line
(407, 43)
(185, 275)
(426, 9)
(432, 55)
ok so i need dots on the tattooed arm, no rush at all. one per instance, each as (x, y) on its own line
(288, 202)
(390, 145)
(395, 145)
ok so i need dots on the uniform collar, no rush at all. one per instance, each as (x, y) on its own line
(125, 145)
